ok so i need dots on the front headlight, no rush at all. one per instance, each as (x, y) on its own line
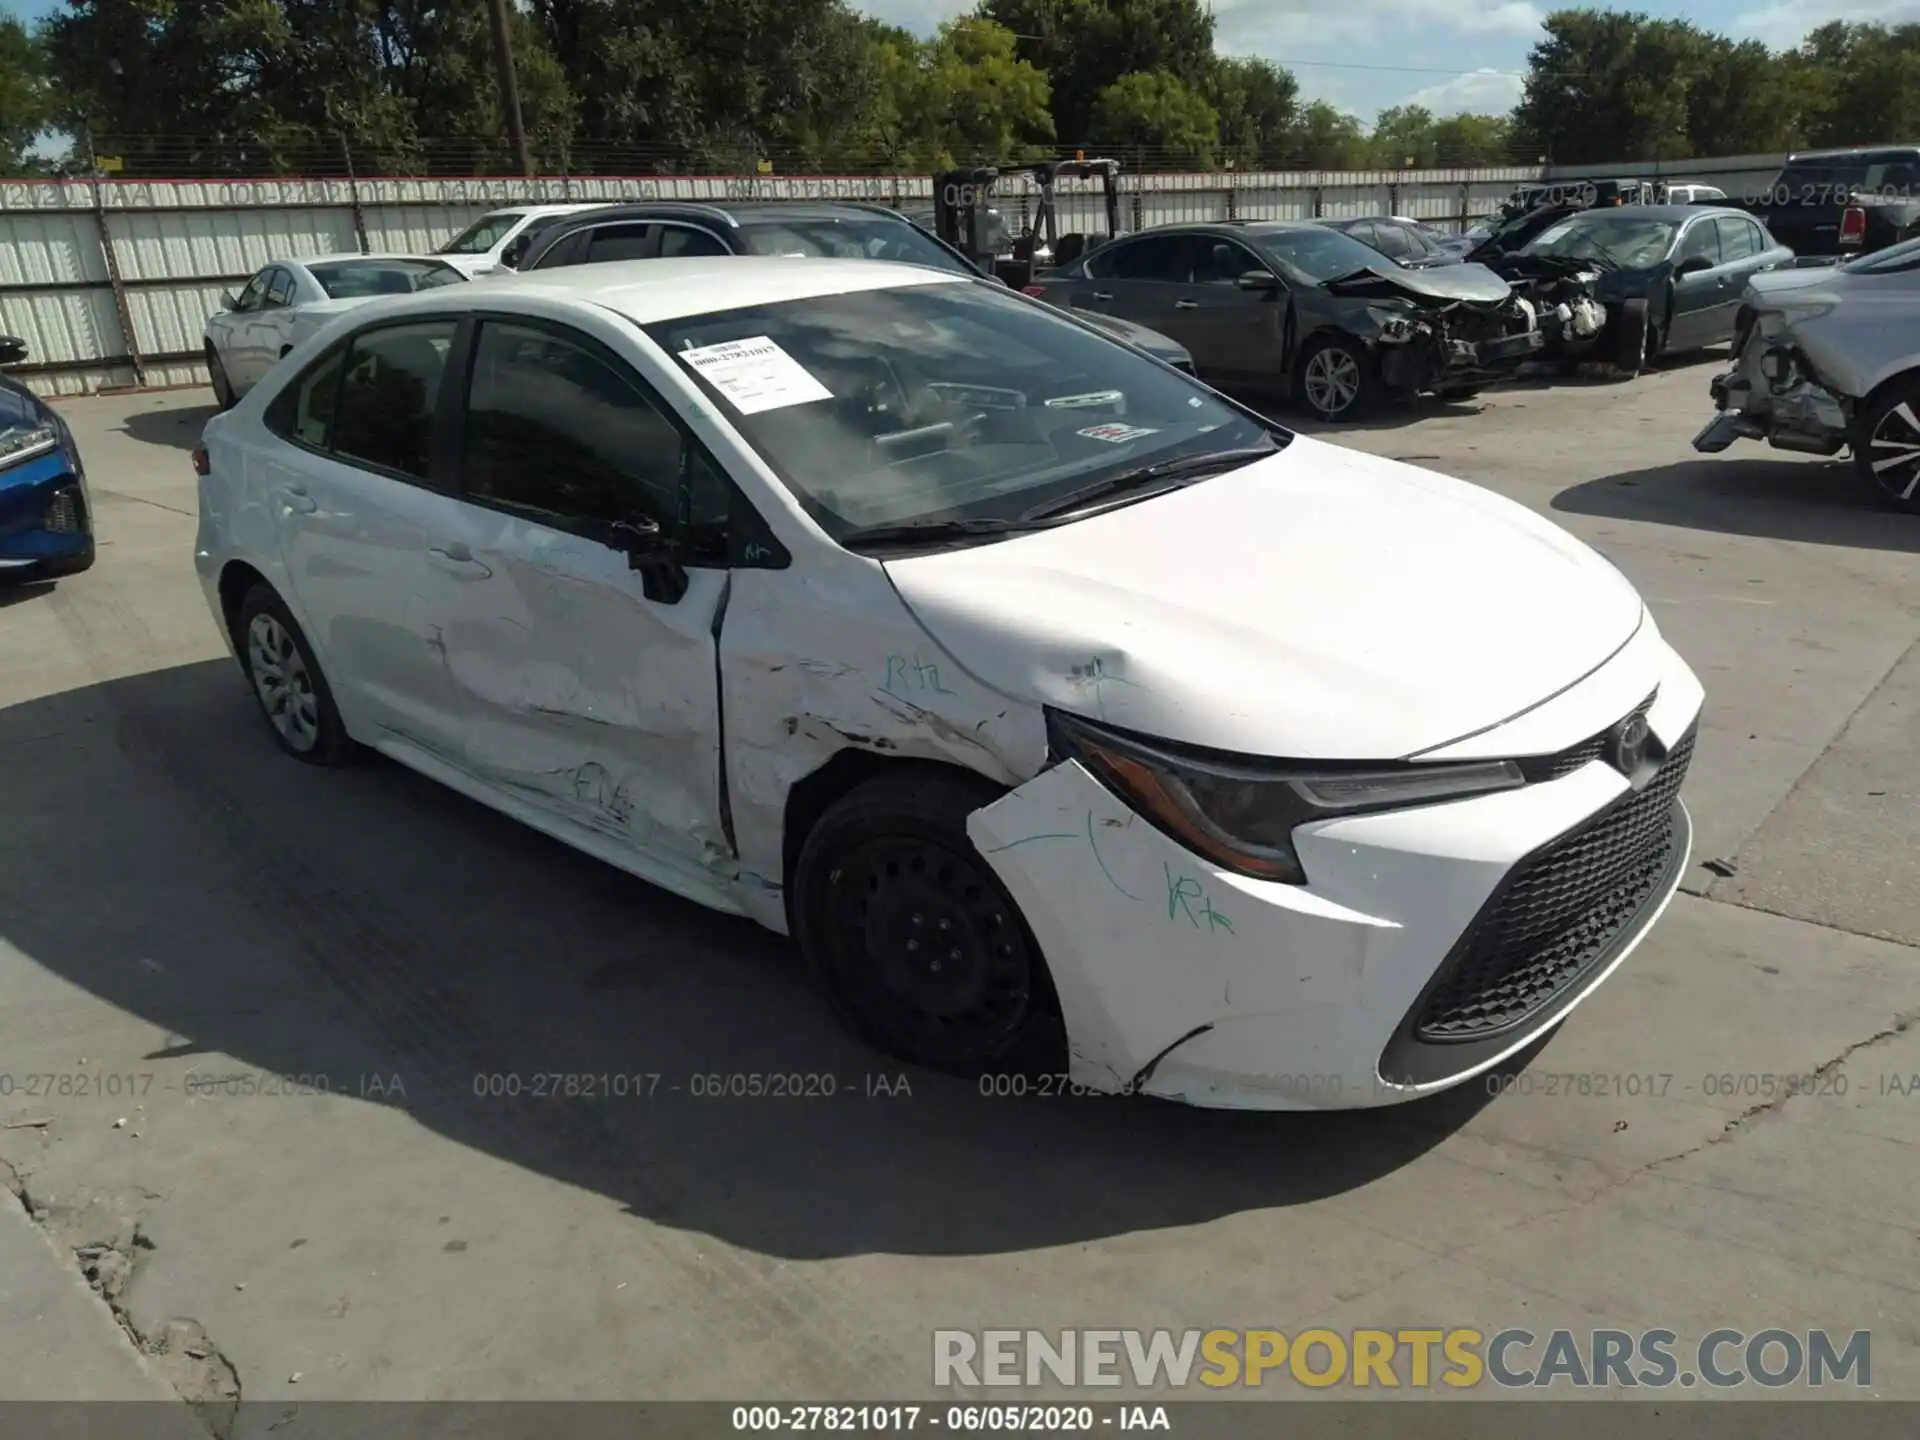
(1240, 813)
(17, 445)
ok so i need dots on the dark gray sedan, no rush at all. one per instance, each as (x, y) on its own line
(1670, 276)
(1302, 308)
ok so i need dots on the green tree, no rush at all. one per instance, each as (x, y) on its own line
(1745, 99)
(1326, 138)
(1403, 137)
(1160, 122)
(26, 103)
(963, 97)
(1467, 140)
(1866, 85)
(1257, 102)
(1084, 46)
(1611, 85)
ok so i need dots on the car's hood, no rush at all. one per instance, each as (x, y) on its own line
(471, 265)
(1321, 604)
(1463, 282)
(1139, 336)
(1767, 284)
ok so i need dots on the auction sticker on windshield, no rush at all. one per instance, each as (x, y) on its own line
(1115, 434)
(756, 375)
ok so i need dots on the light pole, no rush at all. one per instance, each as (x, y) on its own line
(509, 87)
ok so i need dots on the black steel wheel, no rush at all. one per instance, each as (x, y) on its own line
(919, 946)
(1886, 447)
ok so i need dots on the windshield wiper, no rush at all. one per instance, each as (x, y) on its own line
(909, 532)
(1193, 466)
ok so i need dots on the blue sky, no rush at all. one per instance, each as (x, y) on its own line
(1450, 55)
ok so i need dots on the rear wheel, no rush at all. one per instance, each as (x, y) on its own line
(917, 943)
(1337, 380)
(286, 679)
(1886, 447)
(217, 374)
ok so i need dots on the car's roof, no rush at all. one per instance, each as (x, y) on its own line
(537, 210)
(1661, 212)
(646, 291)
(348, 257)
(744, 211)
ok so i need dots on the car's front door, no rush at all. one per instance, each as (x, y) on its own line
(1697, 296)
(1231, 333)
(359, 494)
(233, 331)
(590, 686)
(271, 329)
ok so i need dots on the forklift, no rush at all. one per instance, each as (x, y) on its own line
(963, 212)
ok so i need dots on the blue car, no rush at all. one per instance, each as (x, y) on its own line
(46, 522)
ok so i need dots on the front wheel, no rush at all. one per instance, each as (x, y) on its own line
(1337, 378)
(1633, 337)
(1886, 447)
(917, 943)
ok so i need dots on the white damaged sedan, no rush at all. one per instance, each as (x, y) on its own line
(1034, 688)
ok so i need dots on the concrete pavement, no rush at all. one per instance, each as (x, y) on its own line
(304, 982)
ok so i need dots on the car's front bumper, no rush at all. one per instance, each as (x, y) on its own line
(46, 519)
(1428, 945)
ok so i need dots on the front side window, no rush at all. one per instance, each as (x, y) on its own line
(942, 401)
(1222, 262)
(684, 241)
(1701, 242)
(619, 242)
(389, 394)
(256, 292)
(563, 434)
(481, 236)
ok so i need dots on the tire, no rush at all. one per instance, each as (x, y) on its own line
(1337, 356)
(1883, 432)
(292, 693)
(1632, 332)
(217, 374)
(888, 864)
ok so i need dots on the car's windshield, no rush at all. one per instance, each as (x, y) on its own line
(1904, 256)
(942, 401)
(481, 236)
(874, 238)
(1321, 253)
(357, 279)
(1628, 240)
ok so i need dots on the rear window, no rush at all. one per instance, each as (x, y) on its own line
(360, 279)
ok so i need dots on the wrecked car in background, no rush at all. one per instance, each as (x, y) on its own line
(1070, 716)
(1668, 278)
(1305, 309)
(1829, 358)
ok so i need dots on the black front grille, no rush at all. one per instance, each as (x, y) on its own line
(1557, 914)
(1557, 767)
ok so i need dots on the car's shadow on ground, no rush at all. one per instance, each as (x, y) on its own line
(162, 855)
(178, 428)
(18, 592)
(1776, 498)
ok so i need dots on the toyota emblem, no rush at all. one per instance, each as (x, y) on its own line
(1629, 744)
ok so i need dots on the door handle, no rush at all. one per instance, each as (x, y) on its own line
(456, 559)
(1186, 304)
(298, 501)
(1102, 295)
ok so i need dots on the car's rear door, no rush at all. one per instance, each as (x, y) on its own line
(591, 687)
(1139, 279)
(359, 487)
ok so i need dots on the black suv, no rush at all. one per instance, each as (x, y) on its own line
(843, 230)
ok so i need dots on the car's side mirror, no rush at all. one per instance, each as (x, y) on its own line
(1260, 280)
(655, 554)
(227, 300)
(514, 253)
(1693, 265)
(12, 349)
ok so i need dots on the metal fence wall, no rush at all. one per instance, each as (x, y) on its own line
(110, 282)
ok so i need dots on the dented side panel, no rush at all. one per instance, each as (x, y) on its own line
(586, 698)
(812, 666)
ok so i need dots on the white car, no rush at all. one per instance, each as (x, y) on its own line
(498, 239)
(1690, 193)
(288, 300)
(1034, 688)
